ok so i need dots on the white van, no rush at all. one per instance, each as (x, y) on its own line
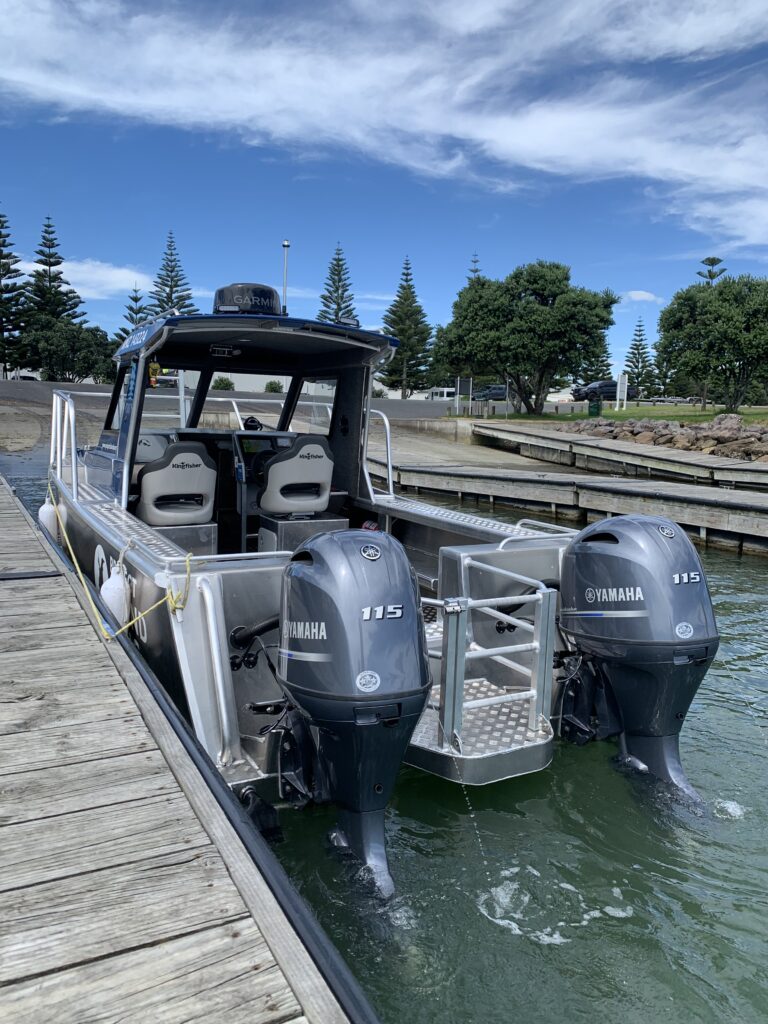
(441, 394)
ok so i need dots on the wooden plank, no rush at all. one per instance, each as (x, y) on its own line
(70, 744)
(33, 852)
(34, 638)
(318, 1002)
(67, 921)
(40, 704)
(46, 663)
(222, 974)
(62, 789)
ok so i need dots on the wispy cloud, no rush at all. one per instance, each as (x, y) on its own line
(93, 279)
(668, 93)
(638, 295)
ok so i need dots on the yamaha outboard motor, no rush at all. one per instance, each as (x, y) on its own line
(635, 605)
(352, 659)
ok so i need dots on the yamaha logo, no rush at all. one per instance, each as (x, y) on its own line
(371, 552)
(590, 595)
(667, 531)
(368, 681)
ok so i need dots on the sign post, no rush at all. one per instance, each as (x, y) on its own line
(621, 392)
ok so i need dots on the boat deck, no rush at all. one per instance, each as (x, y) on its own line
(125, 892)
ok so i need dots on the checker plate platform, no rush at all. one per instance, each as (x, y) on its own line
(496, 742)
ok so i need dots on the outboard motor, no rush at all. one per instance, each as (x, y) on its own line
(352, 659)
(635, 604)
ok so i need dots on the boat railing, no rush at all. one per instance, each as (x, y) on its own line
(459, 649)
(64, 438)
(376, 493)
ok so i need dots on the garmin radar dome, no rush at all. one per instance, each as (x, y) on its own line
(247, 298)
(636, 607)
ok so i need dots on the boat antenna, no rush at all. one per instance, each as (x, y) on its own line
(286, 247)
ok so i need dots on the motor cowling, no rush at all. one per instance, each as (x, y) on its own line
(635, 604)
(353, 660)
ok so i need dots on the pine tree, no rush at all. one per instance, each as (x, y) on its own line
(474, 268)
(11, 296)
(337, 301)
(47, 293)
(639, 365)
(406, 320)
(170, 289)
(711, 274)
(135, 312)
(596, 368)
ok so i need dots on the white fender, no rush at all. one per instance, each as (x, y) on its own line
(46, 516)
(116, 594)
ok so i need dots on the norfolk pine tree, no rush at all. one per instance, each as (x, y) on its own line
(11, 296)
(135, 312)
(597, 366)
(48, 300)
(639, 365)
(337, 301)
(47, 293)
(406, 320)
(171, 288)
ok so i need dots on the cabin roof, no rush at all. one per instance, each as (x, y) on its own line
(240, 340)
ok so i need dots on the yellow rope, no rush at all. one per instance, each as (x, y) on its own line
(174, 601)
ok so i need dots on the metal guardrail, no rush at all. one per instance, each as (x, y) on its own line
(64, 437)
(229, 745)
(458, 648)
(390, 491)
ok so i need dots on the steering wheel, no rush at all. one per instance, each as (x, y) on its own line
(251, 423)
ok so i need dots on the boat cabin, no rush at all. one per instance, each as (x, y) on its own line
(217, 481)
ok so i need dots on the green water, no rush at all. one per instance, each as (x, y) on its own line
(601, 898)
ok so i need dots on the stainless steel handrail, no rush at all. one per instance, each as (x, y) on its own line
(458, 648)
(63, 437)
(229, 750)
(390, 491)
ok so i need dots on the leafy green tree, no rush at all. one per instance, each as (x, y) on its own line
(223, 384)
(406, 320)
(719, 333)
(170, 289)
(337, 301)
(68, 351)
(639, 365)
(135, 312)
(534, 328)
(273, 387)
(11, 298)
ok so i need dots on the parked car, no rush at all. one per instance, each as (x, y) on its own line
(490, 393)
(605, 389)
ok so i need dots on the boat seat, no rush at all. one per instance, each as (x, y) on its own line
(148, 448)
(297, 480)
(179, 488)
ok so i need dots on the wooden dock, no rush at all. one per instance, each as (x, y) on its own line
(125, 892)
(720, 516)
(624, 457)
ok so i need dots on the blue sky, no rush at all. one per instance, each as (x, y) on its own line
(627, 140)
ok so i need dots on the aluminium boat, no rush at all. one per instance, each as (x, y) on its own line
(315, 629)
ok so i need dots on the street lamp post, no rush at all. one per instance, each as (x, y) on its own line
(286, 247)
